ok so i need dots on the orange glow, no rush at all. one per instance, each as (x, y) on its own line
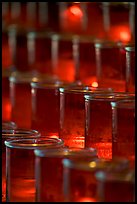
(121, 32)
(94, 84)
(86, 199)
(75, 10)
(54, 136)
(124, 36)
(6, 109)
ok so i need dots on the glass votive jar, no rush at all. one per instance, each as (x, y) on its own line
(40, 51)
(8, 134)
(80, 184)
(20, 166)
(98, 123)
(72, 17)
(20, 96)
(123, 129)
(85, 60)
(72, 114)
(109, 69)
(116, 186)
(130, 68)
(49, 170)
(30, 45)
(98, 120)
(45, 107)
(18, 46)
(63, 51)
(116, 20)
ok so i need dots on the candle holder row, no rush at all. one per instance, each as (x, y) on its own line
(114, 20)
(72, 58)
(42, 169)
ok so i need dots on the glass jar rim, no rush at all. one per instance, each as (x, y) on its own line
(84, 89)
(111, 96)
(19, 133)
(117, 164)
(129, 48)
(107, 44)
(128, 176)
(65, 151)
(18, 77)
(55, 84)
(33, 143)
(40, 34)
(73, 37)
(124, 103)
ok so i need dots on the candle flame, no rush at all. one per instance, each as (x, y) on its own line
(86, 199)
(125, 36)
(75, 10)
(94, 84)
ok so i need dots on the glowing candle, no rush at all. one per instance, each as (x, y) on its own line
(87, 199)
(72, 18)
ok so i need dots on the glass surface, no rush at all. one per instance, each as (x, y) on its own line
(20, 161)
(98, 127)
(72, 114)
(12, 134)
(109, 69)
(80, 183)
(49, 171)
(20, 95)
(130, 68)
(123, 129)
(98, 116)
(116, 186)
(46, 105)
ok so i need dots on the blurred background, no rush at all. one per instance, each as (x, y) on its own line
(72, 41)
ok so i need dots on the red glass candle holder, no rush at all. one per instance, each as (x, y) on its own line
(109, 69)
(98, 127)
(40, 51)
(49, 171)
(80, 183)
(72, 114)
(19, 88)
(123, 129)
(63, 62)
(99, 121)
(46, 106)
(117, 20)
(116, 186)
(85, 60)
(72, 17)
(8, 134)
(35, 48)
(20, 159)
